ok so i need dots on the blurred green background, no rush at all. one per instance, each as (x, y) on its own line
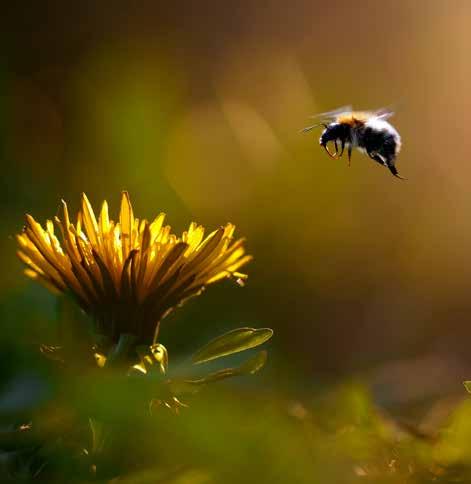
(195, 108)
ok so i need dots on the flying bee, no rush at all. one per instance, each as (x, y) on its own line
(368, 131)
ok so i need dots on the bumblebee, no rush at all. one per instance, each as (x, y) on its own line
(368, 131)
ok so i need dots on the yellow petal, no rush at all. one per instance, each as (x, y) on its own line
(126, 221)
(89, 221)
(44, 281)
(156, 226)
(104, 219)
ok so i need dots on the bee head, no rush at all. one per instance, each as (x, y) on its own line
(332, 132)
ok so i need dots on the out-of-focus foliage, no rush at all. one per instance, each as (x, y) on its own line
(340, 437)
(95, 397)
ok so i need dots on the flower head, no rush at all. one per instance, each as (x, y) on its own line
(130, 273)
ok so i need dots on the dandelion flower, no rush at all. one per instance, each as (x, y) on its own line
(127, 275)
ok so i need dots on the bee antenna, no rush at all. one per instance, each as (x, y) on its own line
(309, 128)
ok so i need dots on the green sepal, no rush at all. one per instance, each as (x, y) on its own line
(249, 367)
(234, 341)
(121, 350)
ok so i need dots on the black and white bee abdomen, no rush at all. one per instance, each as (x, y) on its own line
(380, 141)
(372, 140)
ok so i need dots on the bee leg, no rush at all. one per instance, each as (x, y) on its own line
(332, 155)
(389, 164)
(349, 152)
(379, 159)
(342, 145)
(394, 171)
(336, 148)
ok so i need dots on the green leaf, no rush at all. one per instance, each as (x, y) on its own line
(467, 385)
(232, 342)
(251, 366)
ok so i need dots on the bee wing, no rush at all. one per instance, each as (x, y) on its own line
(383, 113)
(327, 117)
(331, 115)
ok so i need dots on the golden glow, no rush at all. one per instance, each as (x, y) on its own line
(130, 273)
